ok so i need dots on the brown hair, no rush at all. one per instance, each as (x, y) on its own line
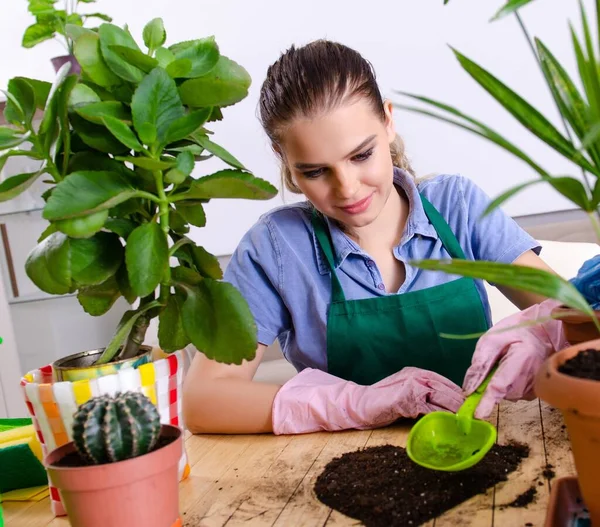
(313, 78)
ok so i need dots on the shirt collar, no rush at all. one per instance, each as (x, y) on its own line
(417, 224)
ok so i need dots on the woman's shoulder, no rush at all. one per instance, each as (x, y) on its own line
(452, 193)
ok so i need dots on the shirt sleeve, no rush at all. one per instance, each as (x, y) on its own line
(255, 270)
(495, 237)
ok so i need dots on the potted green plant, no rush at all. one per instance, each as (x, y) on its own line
(118, 148)
(565, 381)
(121, 467)
(51, 22)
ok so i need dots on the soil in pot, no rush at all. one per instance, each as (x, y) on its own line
(381, 486)
(585, 365)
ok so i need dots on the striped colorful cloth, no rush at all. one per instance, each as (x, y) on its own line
(51, 404)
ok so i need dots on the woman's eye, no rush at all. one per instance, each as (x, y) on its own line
(313, 173)
(364, 155)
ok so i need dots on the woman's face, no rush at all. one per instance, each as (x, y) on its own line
(340, 160)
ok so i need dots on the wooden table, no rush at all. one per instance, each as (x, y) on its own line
(268, 480)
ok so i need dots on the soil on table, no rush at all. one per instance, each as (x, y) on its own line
(73, 459)
(382, 486)
(585, 365)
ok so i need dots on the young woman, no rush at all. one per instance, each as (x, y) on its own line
(329, 277)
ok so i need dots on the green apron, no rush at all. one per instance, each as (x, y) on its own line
(372, 338)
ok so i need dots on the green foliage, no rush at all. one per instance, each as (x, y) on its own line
(121, 147)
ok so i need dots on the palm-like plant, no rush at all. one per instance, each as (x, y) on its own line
(580, 144)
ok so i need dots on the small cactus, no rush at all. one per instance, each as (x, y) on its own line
(108, 429)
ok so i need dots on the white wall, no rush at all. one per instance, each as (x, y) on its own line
(407, 41)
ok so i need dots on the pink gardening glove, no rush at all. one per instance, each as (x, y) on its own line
(521, 352)
(314, 400)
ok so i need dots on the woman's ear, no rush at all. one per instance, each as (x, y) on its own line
(389, 120)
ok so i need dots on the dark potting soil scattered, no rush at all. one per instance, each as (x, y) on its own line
(585, 365)
(381, 486)
(73, 459)
(524, 499)
(548, 472)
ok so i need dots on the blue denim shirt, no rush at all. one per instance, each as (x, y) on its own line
(281, 272)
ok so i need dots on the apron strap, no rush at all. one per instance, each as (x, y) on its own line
(324, 239)
(444, 231)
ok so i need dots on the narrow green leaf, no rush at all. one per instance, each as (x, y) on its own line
(515, 276)
(94, 260)
(229, 183)
(48, 265)
(154, 34)
(203, 55)
(192, 212)
(226, 84)
(87, 52)
(186, 125)
(510, 7)
(95, 112)
(62, 112)
(15, 185)
(97, 300)
(99, 16)
(124, 328)
(10, 137)
(495, 203)
(124, 285)
(171, 334)
(156, 103)
(112, 35)
(147, 256)
(84, 226)
(596, 194)
(136, 58)
(36, 34)
(148, 163)
(218, 151)
(218, 321)
(573, 190)
(123, 133)
(83, 193)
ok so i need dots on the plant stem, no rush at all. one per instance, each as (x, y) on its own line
(163, 218)
(595, 224)
(51, 168)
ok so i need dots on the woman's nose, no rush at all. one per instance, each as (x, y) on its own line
(347, 184)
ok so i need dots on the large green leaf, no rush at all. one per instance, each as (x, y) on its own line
(226, 84)
(171, 334)
(86, 192)
(37, 33)
(229, 183)
(147, 257)
(179, 68)
(87, 52)
(154, 34)
(125, 326)
(136, 58)
(48, 265)
(121, 226)
(186, 125)
(156, 104)
(124, 285)
(164, 57)
(20, 106)
(218, 151)
(94, 260)
(123, 133)
(514, 276)
(95, 161)
(524, 112)
(15, 185)
(9, 137)
(192, 212)
(510, 7)
(206, 263)
(218, 321)
(148, 163)
(112, 35)
(97, 300)
(97, 136)
(41, 90)
(84, 226)
(203, 55)
(82, 95)
(96, 111)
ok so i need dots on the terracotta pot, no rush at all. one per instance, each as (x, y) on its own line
(138, 492)
(58, 62)
(579, 402)
(566, 504)
(578, 327)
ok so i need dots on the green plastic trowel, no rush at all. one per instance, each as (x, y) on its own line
(452, 442)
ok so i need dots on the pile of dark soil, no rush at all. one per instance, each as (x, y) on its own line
(585, 365)
(381, 486)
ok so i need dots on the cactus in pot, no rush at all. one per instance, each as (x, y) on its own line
(108, 429)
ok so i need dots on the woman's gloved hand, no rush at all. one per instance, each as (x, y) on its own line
(315, 401)
(521, 352)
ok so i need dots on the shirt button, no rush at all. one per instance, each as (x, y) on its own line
(381, 286)
(370, 263)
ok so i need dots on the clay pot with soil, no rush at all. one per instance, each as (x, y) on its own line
(578, 326)
(121, 467)
(570, 381)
